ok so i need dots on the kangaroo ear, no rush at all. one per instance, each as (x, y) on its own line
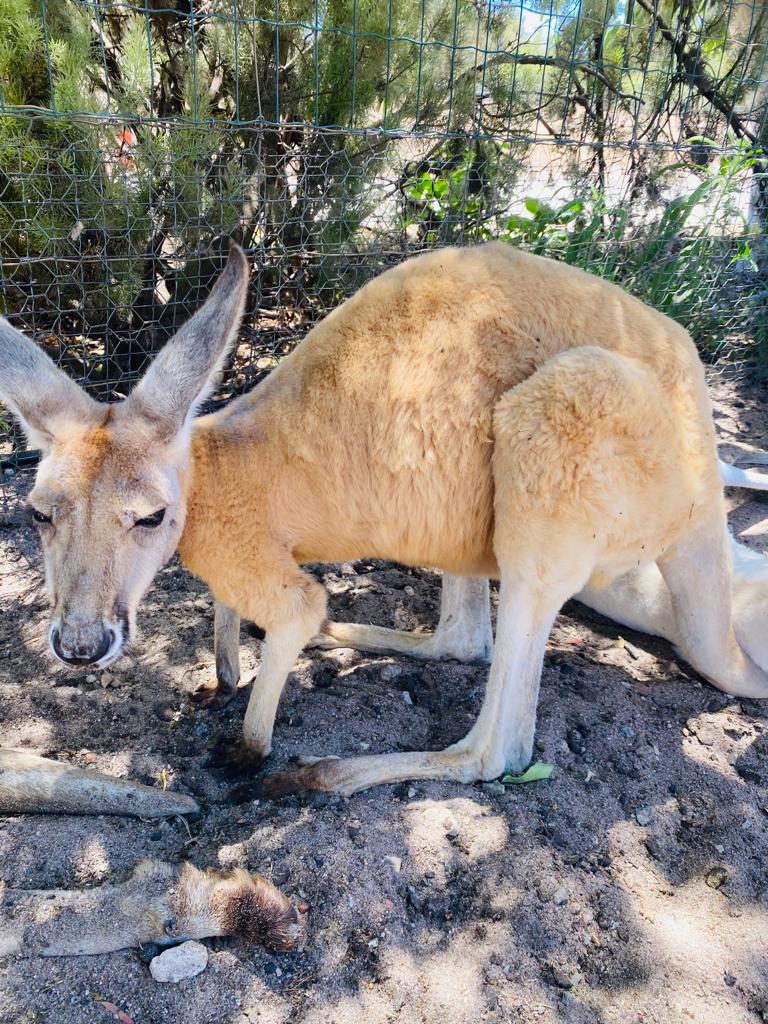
(185, 370)
(37, 392)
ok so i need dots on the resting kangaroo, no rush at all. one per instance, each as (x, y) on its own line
(483, 411)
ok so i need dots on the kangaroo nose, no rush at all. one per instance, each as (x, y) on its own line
(79, 653)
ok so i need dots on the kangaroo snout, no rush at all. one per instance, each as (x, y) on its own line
(78, 644)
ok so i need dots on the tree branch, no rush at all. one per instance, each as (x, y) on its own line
(698, 74)
(552, 62)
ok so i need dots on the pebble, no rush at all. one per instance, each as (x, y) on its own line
(560, 897)
(495, 788)
(407, 699)
(107, 679)
(390, 672)
(396, 862)
(409, 591)
(179, 962)
(90, 678)
(717, 877)
(644, 816)
(706, 735)
(561, 979)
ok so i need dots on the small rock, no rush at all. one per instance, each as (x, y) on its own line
(411, 792)
(561, 979)
(89, 757)
(107, 679)
(390, 672)
(706, 735)
(560, 897)
(575, 741)
(494, 788)
(409, 591)
(644, 816)
(717, 877)
(90, 678)
(452, 831)
(396, 862)
(280, 876)
(654, 848)
(179, 962)
(407, 699)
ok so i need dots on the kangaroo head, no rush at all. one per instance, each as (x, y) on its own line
(109, 496)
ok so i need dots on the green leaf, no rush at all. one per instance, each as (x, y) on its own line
(533, 773)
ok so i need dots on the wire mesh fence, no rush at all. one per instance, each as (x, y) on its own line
(332, 138)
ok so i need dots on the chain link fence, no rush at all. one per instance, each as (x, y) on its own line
(333, 138)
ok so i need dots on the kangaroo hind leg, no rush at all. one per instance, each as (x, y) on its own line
(698, 572)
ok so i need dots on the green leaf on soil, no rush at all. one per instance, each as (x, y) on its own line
(533, 773)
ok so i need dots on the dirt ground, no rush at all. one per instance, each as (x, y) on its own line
(632, 888)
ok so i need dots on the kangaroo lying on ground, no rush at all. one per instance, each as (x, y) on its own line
(483, 411)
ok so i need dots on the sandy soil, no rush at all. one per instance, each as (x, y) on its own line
(629, 889)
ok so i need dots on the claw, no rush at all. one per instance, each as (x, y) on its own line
(234, 759)
(212, 696)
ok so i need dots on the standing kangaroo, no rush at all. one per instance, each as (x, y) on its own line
(483, 411)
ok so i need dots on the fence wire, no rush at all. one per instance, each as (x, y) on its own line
(335, 138)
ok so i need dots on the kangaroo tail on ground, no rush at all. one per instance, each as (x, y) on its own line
(161, 903)
(37, 785)
(732, 476)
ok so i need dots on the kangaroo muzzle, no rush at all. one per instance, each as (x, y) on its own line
(86, 644)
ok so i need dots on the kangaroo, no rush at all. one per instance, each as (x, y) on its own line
(485, 411)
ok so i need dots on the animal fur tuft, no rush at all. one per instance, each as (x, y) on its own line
(250, 907)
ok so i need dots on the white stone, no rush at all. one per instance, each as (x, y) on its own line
(179, 962)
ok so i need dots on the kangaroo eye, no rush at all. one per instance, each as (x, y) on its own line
(152, 521)
(40, 518)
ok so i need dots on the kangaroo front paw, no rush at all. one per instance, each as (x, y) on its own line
(234, 759)
(213, 696)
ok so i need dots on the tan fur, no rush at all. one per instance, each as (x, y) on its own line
(38, 785)
(160, 903)
(482, 411)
